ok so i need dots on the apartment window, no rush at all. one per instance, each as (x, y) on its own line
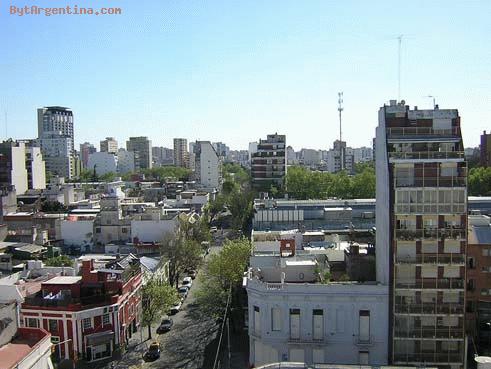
(106, 320)
(318, 324)
(53, 325)
(97, 230)
(485, 252)
(485, 292)
(32, 322)
(124, 230)
(295, 324)
(471, 263)
(276, 319)
(87, 323)
(471, 285)
(364, 325)
(486, 269)
(257, 320)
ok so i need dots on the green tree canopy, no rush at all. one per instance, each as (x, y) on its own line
(59, 261)
(480, 181)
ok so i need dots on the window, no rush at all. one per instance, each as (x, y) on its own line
(257, 320)
(295, 324)
(485, 252)
(53, 325)
(87, 323)
(32, 322)
(364, 326)
(276, 319)
(318, 324)
(471, 263)
(363, 357)
(124, 230)
(106, 320)
(97, 230)
(485, 292)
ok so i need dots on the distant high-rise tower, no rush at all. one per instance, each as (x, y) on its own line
(85, 150)
(181, 155)
(485, 151)
(421, 217)
(268, 163)
(109, 145)
(142, 147)
(56, 139)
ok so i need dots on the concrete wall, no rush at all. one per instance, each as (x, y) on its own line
(77, 233)
(152, 230)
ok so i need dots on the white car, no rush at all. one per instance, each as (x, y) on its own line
(183, 292)
(175, 308)
(187, 282)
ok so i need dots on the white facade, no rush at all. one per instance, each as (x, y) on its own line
(152, 230)
(109, 145)
(337, 323)
(363, 154)
(103, 162)
(252, 149)
(126, 161)
(57, 153)
(13, 165)
(36, 168)
(77, 232)
(207, 165)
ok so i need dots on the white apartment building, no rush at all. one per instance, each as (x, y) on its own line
(126, 161)
(207, 166)
(103, 163)
(362, 154)
(13, 170)
(109, 145)
(295, 317)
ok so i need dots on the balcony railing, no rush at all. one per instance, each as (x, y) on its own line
(432, 234)
(431, 259)
(430, 308)
(442, 181)
(442, 332)
(422, 131)
(429, 358)
(420, 155)
(433, 283)
(425, 208)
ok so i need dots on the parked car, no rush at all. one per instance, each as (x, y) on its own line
(175, 308)
(183, 292)
(192, 273)
(165, 325)
(187, 282)
(213, 229)
(153, 352)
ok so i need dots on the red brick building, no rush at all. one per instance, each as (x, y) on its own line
(91, 315)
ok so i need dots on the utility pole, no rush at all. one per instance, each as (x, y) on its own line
(432, 97)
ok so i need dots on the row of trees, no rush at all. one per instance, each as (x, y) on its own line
(303, 183)
(156, 173)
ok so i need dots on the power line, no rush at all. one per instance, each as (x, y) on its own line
(223, 326)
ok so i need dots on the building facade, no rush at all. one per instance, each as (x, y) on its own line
(207, 165)
(102, 163)
(126, 161)
(91, 315)
(13, 170)
(85, 150)
(142, 147)
(109, 145)
(485, 151)
(421, 222)
(268, 163)
(181, 155)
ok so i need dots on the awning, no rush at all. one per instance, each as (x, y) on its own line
(100, 337)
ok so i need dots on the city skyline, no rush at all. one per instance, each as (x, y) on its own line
(173, 71)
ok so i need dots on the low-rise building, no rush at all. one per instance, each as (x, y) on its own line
(91, 315)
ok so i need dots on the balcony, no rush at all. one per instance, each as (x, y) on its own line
(457, 259)
(402, 132)
(454, 332)
(430, 308)
(431, 283)
(426, 155)
(431, 234)
(442, 181)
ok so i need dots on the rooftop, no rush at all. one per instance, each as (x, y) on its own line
(16, 351)
(63, 280)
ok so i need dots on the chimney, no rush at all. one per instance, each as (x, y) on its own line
(87, 267)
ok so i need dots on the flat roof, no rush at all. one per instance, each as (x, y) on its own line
(300, 262)
(63, 280)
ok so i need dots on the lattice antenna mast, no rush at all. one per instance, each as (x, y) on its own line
(340, 110)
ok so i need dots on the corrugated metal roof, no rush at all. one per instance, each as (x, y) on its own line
(482, 234)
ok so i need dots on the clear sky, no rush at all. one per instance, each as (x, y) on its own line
(234, 71)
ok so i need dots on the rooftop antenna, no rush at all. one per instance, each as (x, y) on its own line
(6, 125)
(432, 97)
(340, 109)
(399, 38)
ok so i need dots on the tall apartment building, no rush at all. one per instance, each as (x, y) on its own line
(36, 167)
(486, 149)
(13, 170)
(268, 163)
(56, 139)
(109, 145)
(221, 149)
(126, 161)
(478, 294)
(181, 155)
(85, 150)
(208, 169)
(162, 156)
(421, 216)
(142, 147)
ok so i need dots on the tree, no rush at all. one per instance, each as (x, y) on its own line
(223, 275)
(480, 181)
(59, 261)
(85, 175)
(53, 207)
(107, 177)
(157, 299)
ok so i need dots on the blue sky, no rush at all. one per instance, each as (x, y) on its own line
(234, 71)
